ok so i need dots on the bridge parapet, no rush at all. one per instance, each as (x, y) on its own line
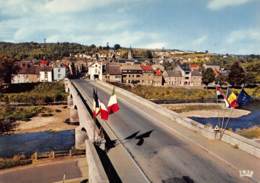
(97, 173)
(80, 113)
(241, 142)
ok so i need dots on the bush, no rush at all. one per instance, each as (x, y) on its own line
(9, 163)
(41, 93)
(46, 115)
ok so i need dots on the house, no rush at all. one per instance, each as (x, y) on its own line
(215, 68)
(131, 74)
(182, 75)
(150, 76)
(95, 70)
(45, 74)
(59, 73)
(27, 72)
(194, 67)
(172, 77)
(157, 79)
(113, 73)
(196, 78)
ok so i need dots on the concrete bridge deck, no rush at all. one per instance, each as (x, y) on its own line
(166, 155)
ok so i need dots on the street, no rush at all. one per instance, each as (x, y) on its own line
(164, 156)
(42, 173)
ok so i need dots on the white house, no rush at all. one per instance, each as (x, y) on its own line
(45, 74)
(59, 73)
(95, 70)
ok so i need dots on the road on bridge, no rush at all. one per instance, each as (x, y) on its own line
(164, 156)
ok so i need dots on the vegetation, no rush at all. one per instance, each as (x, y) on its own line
(51, 51)
(237, 75)
(168, 93)
(19, 113)
(208, 76)
(187, 108)
(13, 162)
(182, 94)
(250, 133)
(10, 114)
(41, 93)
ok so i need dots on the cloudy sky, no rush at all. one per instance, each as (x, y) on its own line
(222, 26)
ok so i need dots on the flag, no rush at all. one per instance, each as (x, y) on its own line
(112, 103)
(96, 105)
(232, 100)
(243, 98)
(103, 111)
(220, 94)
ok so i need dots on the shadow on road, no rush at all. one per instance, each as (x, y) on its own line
(141, 137)
(109, 168)
(183, 179)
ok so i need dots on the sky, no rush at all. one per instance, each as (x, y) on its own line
(220, 26)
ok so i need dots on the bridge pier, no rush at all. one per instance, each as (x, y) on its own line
(70, 100)
(74, 117)
(80, 137)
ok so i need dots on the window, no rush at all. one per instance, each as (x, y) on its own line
(46, 74)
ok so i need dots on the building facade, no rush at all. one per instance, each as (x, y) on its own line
(131, 74)
(113, 73)
(59, 73)
(95, 70)
(181, 76)
(45, 74)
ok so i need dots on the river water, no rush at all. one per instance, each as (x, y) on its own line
(29, 143)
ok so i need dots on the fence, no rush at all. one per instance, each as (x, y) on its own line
(20, 160)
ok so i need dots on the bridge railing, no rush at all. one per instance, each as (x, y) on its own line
(96, 170)
(97, 173)
(241, 142)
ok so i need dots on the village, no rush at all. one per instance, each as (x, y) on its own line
(112, 68)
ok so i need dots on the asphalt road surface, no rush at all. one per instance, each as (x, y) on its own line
(164, 156)
(46, 173)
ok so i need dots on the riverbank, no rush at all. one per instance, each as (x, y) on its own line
(53, 120)
(244, 121)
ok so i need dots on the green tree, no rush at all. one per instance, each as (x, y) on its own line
(117, 46)
(237, 75)
(208, 76)
(6, 69)
(149, 54)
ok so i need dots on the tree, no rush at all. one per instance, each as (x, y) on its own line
(208, 76)
(117, 46)
(6, 69)
(149, 54)
(237, 75)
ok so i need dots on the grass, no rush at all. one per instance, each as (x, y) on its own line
(169, 93)
(20, 113)
(10, 114)
(183, 94)
(187, 108)
(13, 162)
(250, 133)
(40, 94)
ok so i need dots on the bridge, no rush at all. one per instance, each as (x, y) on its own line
(144, 142)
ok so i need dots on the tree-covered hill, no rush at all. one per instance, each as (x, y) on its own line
(52, 51)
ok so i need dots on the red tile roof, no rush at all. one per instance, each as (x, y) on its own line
(158, 72)
(147, 68)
